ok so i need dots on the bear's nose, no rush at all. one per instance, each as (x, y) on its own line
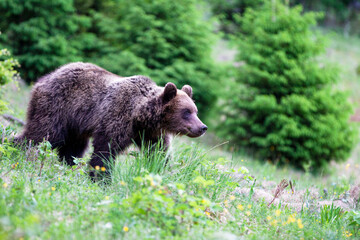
(204, 128)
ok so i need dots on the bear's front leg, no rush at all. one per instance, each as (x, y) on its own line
(160, 144)
(103, 157)
(100, 162)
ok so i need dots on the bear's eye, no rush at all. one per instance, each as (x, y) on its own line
(186, 114)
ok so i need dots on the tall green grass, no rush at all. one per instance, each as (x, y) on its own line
(195, 195)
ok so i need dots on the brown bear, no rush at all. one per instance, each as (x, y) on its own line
(81, 100)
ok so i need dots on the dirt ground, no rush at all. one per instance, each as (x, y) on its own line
(356, 116)
(298, 200)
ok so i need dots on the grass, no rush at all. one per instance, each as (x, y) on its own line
(345, 52)
(195, 196)
(202, 193)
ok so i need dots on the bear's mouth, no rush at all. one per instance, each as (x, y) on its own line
(193, 134)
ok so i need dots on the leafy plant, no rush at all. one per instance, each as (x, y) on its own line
(353, 218)
(7, 72)
(170, 206)
(331, 214)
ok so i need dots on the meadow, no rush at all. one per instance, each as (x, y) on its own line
(205, 192)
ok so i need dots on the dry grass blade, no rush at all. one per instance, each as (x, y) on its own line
(355, 194)
(279, 188)
(292, 187)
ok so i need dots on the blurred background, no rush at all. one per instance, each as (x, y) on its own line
(279, 80)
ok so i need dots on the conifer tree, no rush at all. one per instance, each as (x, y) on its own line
(166, 40)
(284, 104)
(39, 34)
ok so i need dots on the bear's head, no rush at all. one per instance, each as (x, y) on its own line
(180, 112)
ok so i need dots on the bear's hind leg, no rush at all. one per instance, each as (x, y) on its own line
(74, 147)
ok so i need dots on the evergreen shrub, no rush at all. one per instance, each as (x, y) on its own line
(170, 41)
(283, 103)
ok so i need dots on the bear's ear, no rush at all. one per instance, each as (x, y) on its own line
(187, 89)
(169, 93)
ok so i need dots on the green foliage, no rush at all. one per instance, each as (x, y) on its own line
(7, 71)
(7, 65)
(337, 13)
(170, 206)
(39, 34)
(188, 165)
(343, 13)
(166, 40)
(353, 219)
(226, 12)
(286, 109)
(331, 214)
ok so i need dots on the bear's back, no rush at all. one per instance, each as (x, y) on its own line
(78, 87)
(79, 75)
(72, 73)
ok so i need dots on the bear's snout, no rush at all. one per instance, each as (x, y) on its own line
(203, 129)
(197, 132)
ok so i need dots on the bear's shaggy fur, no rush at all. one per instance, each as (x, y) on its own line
(81, 100)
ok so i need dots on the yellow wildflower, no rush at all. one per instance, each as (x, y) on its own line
(122, 183)
(107, 198)
(204, 201)
(268, 218)
(277, 212)
(5, 185)
(207, 213)
(232, 198)
(248, 213)
(273, 222)
(291, 219)
(300, 225)
(249, 206)
(103, 169)
(53, 188)
(240, 207)
(97, 168)
(125, 228)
